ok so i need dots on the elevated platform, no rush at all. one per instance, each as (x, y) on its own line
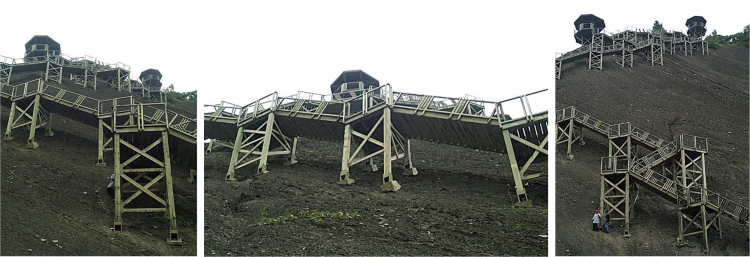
(362, 119)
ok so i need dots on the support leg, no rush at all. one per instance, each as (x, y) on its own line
(370, 166)
(520, 191)
(389, 185)
(32, 130)
(626, 233)
(235, 152)
(100, 151)
(210, 146)
(263, 165)
(409, 169)
(174, 238)
(9, 128)
(293, 156)
(570, 140)
(344, 175)
(49, 132)
(704, 228)
(118, 181)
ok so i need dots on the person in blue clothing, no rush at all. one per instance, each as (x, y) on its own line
(606, 221)
(597, 217)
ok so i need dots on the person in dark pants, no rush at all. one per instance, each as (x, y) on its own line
(111, 187)
(597, 217)
(606, 222)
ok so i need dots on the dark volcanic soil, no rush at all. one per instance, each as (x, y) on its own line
(702, 95)
(55, 192)
(461, 203)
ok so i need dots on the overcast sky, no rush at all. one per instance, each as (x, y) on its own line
(239, 51)
(726, 17)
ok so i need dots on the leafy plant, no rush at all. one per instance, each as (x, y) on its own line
(685, 243)
(161, 217)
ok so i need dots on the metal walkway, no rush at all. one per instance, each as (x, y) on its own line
(85, 71)
(684, 182)
(360, 120)
(629, 42)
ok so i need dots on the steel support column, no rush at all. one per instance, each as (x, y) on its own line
(615, 195)
(523, 199)
(691, 184)
(143, 175)
(392, 143)
(597, 51)
(53, 72)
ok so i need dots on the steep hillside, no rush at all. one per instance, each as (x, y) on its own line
(55, 192)
(461, 203)
(701, 95)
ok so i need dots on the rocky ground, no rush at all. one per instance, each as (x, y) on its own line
(461, 203)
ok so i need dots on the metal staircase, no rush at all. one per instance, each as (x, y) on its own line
(684, 182)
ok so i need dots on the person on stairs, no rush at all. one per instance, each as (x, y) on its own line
(597, 217)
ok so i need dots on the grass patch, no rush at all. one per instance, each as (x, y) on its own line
(314, 215)
(685, 243)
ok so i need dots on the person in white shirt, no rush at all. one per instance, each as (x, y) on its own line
(597, 217)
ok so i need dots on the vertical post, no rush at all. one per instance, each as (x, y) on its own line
(293, 156)
(570, 139)
(627, 184)
(601, 191)
(627, 201)
(34, 117)
(235, 151)
(118, 194)
(9, 128)
(520, 191)
(49, 132)
(704, 218)
(174, 238)
(389, 185)
(263, 165)
(409, 169)
(46, 74)
(100, 151)
(344, 175)
(210, 145)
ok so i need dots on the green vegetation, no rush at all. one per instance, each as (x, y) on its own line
(174, 96)
(737, 39)
(311, 215)
(658, 28)
(163, 218)
(685, 243)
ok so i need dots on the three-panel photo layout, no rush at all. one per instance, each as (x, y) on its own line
(369, 128)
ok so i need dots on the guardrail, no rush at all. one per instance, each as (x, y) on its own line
(364, 101)
(103, 108)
